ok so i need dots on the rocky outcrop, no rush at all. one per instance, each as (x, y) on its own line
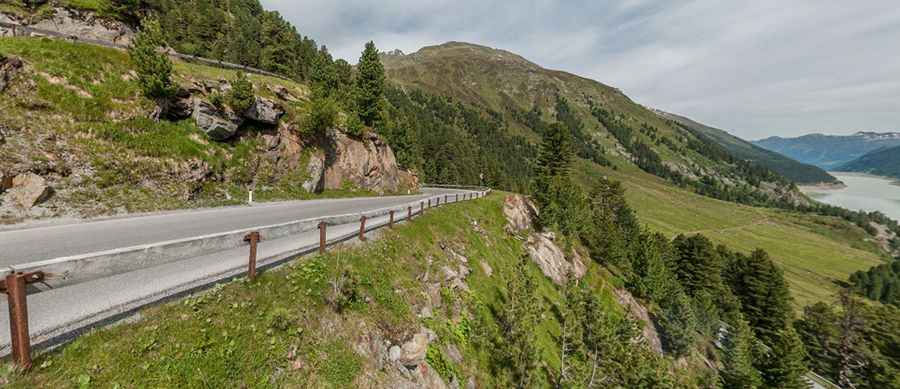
(83, 26)
(180, 106)
(638, 312)
(315, 171)
(218, 124)
(9, 68)
(367, 163)
(264, 111)
(26, 190)
(552, 260)
(520, 213)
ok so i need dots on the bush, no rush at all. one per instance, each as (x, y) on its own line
(354, 127)
(322, 116)
(241, 97)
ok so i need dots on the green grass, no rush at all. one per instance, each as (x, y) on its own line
(280, 331)
(84, 99)
(814, 251)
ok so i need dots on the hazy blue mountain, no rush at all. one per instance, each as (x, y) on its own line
(798, 172)
(830, 151)
(882, 162)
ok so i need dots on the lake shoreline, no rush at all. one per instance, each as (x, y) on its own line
(861, 192)
(827, 187)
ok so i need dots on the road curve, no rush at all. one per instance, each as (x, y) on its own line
(37, 243)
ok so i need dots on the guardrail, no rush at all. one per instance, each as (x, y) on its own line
(19, 30)
(61, 272)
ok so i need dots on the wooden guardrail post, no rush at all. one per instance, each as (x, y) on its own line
(362, 228)
(322, 237)
(391, 220)
(421, 207)
(17, 297)
(253, 238)
(409, 213)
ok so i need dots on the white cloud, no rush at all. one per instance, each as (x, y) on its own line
(756, 68)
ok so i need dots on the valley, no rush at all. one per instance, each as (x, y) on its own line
(599, 242)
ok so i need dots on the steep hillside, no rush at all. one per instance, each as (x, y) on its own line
(610, 128)
(75, 128)
(800, 173)
(830, 151)
(882, 162)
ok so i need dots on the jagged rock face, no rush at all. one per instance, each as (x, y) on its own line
(520, 213)
(9, 67)
(264, 111)
(640, 313)
(552, 260)
(86, 25)
(218, 124)
(368, 163)
(27, 190)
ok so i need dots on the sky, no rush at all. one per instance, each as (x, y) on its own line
(755, 68)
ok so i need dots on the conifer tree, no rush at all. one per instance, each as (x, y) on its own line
(739, 372)
(369, 85)
(241, 97)
(154, 68)
(678, 323)
(698, 265)
(571, 336)
(518, 321)
(765, 300)
(783, 367)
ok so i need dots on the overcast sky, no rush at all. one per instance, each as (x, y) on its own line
(756, 68)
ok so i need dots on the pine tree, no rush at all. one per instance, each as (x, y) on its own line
(739, 372)
(784, 367)
(518, 321)
(154, 68)
(764, 295)
(369, 85)
(678, 323)
(698, 265)
(571, 337)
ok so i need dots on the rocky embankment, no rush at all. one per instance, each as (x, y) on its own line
(56, 166)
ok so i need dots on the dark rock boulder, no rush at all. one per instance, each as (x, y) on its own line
(9, 67)
(218, 124)
(264, 111)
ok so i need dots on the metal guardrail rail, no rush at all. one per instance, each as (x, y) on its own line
(19, 30)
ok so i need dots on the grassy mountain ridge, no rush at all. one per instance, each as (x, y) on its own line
(829, 151)
(618, 130)
(882, 162)
(798, 172)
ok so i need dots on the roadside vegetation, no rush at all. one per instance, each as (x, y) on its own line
(316, 322)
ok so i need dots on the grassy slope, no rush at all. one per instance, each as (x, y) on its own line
(814, 251)
(79, 101)
(800, 173)
(244, 333)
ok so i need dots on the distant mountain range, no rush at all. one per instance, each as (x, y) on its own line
(798, 172)
(830, 152)
(882, 162)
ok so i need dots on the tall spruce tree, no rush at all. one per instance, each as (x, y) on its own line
(739, 372)
(154, 68)
(698, 265)
(517, 322)
(783, 367)
(765, 300)
(369, 85)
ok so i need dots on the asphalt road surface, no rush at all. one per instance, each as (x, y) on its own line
(38, 243)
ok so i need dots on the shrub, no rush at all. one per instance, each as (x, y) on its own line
(322, 116)
(241, 97)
